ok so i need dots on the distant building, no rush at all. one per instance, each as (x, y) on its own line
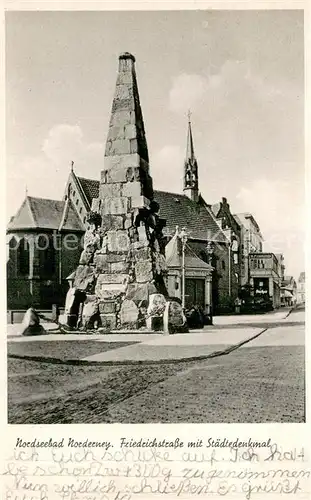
(251, 242)
(288, 291)
(301, 288)
(265, 277)
(233, 231)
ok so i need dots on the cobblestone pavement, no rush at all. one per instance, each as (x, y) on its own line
(261, 382)
(251, 385)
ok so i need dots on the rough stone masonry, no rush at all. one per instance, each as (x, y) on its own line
(120, 277)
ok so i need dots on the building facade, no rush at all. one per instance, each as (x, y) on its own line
(288, 291)
(265, 278)
(233, 231)
(301, 288)
(251, 242)
(44, 243)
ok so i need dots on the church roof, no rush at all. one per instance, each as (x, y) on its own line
(178, 210)
(196, 217)
(90, 188)
(42, 213)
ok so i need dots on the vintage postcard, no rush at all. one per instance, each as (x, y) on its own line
(155, 242)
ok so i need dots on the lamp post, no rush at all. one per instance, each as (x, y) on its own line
(183, 238)
(210, 252)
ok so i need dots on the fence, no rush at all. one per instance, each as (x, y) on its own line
(17, 315)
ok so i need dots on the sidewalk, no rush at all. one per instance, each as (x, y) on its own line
(14, 331)
(236, 319)
(113, 349)
(189, 346)
(225, 335)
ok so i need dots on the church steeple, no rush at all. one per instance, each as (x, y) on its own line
(191, 182)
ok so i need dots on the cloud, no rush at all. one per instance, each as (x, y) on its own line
(243, 115)
(275, 203)
(66, 143)
(46, 174)
(167, 168)
(187, 92)
(63, 144)
(279, 211)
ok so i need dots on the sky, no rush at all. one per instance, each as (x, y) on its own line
(241, 73)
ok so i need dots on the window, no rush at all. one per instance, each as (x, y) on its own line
(77, 201)
(23, 257)
(223, 265)
(47, 256)
(74, 194)
(84, 219)
(80, 211)
(49, 260)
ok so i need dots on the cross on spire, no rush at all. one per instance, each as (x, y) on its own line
(72, 164)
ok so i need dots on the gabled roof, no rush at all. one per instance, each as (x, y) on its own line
(90, 188)
(196, 217)
(178, 210)
(173, 255)
(42, 213)
(70, 220)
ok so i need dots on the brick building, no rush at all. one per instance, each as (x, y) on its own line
(44, 244)
(233, 231)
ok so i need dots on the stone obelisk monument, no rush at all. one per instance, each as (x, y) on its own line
(122, 268)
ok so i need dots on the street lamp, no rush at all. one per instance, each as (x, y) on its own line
(210, 252)
(183, 238)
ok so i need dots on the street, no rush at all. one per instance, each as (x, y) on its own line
(261, 381)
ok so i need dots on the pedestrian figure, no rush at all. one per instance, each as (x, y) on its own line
(237, 304)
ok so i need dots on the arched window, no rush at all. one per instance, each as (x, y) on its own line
(23, 257)
(223, 265)
(49, 259)
(47, 255)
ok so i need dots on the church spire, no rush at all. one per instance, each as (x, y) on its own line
(191, 182)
